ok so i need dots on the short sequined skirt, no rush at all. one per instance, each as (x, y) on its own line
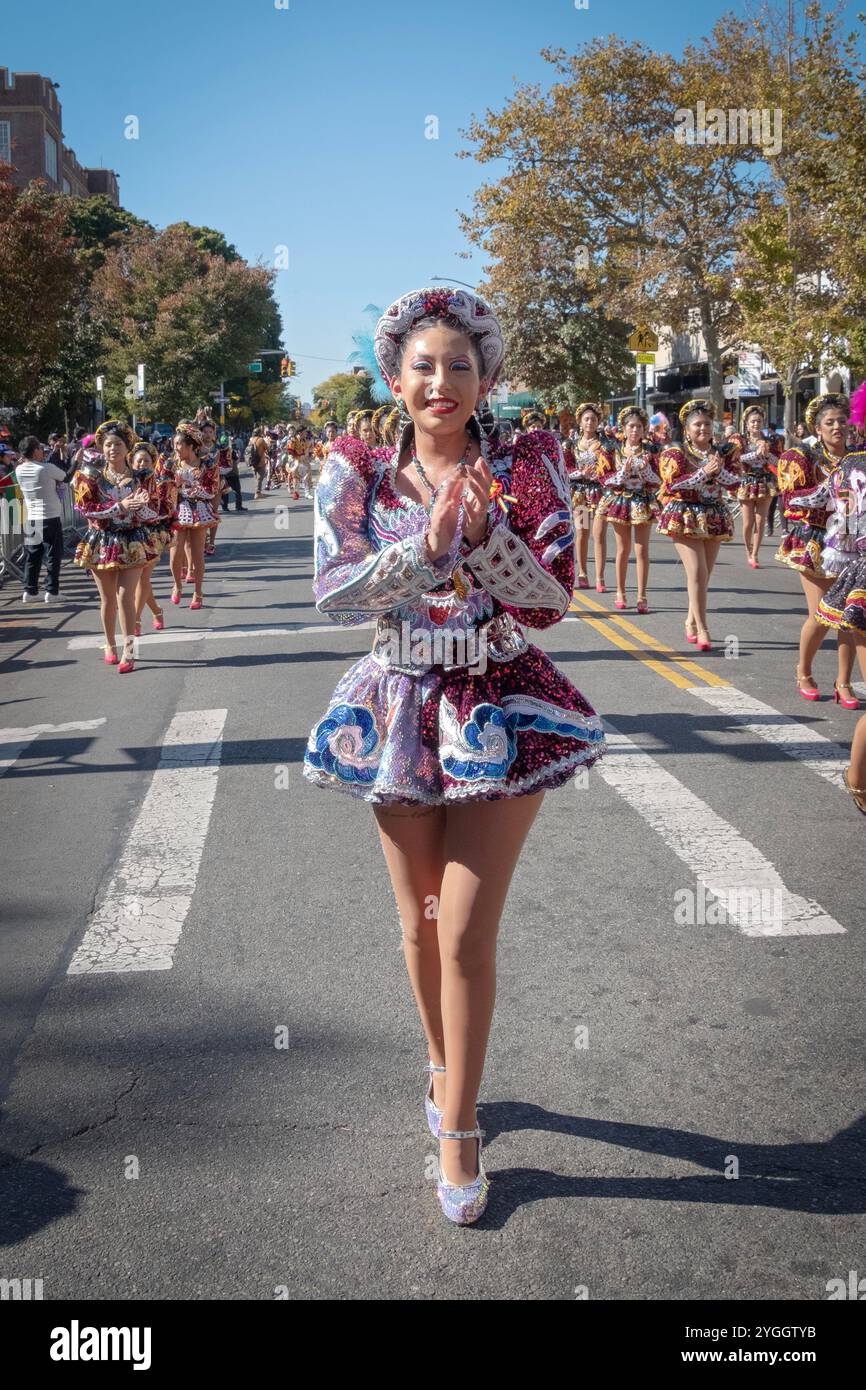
(193, 514)
(801, 548)
(757, 484)
(107, 549)
(844, 604)
(702, 521)
(160, 533)
(627, 506)
(457, 736)
(585, 493)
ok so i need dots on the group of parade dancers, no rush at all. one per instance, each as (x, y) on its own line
(138, 503)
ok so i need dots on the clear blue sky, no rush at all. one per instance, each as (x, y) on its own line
(304, 126)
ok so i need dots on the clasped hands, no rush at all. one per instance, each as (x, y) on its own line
(471, 486)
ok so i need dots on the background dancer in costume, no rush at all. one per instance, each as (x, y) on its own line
(756, 452)
(115, 547)
(198, 485)
(843, 607)
(629, 501)
(694, 513)
(804, 471)
(441, 534)
(144, 462)
(591, 459)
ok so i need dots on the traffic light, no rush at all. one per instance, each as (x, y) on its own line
(284, 367)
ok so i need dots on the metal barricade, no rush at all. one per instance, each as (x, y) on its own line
(11, 538)
(13, 531)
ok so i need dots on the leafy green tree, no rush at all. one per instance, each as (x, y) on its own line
(344, 391)
(39, 280)
(207, 239)
(194, 318)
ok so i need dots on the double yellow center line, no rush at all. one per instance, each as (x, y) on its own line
(671, 664)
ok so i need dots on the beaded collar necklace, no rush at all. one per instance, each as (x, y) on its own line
(460, 466)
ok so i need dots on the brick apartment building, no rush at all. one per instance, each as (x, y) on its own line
(31, 139)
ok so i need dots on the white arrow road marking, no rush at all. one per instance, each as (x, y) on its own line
(730, 867)
(798, 740)
(138, 922)
(14, 741)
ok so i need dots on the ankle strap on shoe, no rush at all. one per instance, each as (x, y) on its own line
(431, 1067)
(460, 1134)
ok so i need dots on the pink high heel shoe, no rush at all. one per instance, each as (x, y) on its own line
(619, 602)
(600, 587)
(110, 658)
(642, 605)
(158, 621)
(196, 603)
(583, 581)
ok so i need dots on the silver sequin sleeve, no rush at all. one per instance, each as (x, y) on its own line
(353, 579)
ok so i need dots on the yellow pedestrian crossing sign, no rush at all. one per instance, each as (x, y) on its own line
(643, 339)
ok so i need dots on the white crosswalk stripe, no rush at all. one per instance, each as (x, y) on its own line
(138, 922)
(14, 741)
(798, 740)
(748, 887)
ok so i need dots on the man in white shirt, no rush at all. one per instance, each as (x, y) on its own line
(43, 530)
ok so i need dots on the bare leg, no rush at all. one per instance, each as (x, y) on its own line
(581, 524)
(482, 846)
(106, 583)
(177, 559)
(857, 770)
(197, 544)
(760, 525)
(599, 544)
(748, 509)
(691, 554)
(413, 842)
(812, 633)
(127, 584)
(845, 654)
(623, 551)
(145, 593)
(642, 557)
(711, 555)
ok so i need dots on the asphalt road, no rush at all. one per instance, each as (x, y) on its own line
(673, 1093)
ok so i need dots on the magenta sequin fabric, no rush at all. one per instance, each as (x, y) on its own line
(405, 724)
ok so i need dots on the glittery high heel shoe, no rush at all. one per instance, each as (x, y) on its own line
(463, 1203)
(434, 1114)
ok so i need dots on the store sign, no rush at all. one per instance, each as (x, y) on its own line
(749, 373)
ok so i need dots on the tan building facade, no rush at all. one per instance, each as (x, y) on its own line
(31, 139)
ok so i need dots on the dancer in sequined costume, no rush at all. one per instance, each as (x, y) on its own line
(629, 501)
(454, 725)
(758, 452)
(804, 472)
(694, 513)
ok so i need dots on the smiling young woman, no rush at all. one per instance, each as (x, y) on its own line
(448, 538)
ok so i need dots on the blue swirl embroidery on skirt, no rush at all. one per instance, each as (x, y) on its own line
(346, 744)
(485, 746)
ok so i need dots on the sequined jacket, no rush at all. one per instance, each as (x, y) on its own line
(845, 491)
(804, 471)
(199, 481)
(370, 542)
(634, 474)
(590, 465)
(684, 476)
(166, 489)
(750, 460)
(100, 501)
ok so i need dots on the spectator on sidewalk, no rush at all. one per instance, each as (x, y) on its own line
(43, 529)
